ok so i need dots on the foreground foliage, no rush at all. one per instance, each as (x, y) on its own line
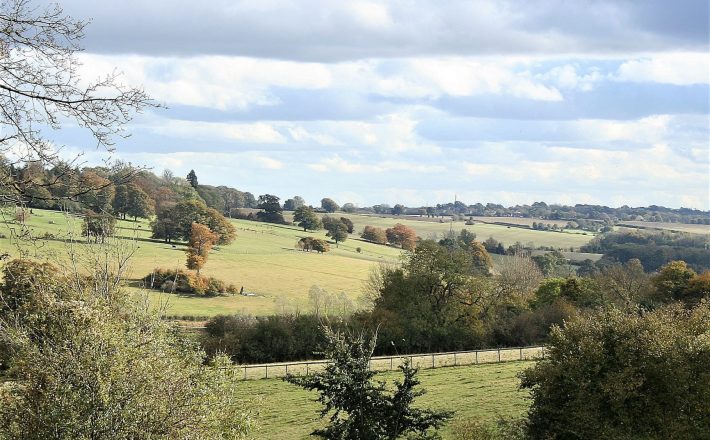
(87, 362)
(362, 408)
(625, 374)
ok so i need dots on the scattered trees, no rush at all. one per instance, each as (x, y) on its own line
(175, 222)
(307, 218)
(361, 407)
(329, 205)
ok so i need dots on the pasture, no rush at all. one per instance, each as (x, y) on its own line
(481, 392)
(680, 227)
(263, 258)
(432, 228)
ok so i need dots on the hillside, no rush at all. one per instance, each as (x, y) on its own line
(263, 258)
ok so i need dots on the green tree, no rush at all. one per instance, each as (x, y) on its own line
(398, 209)
(362, 408)
(337, 230)
(120, 201)
(329, 205)
(306, 218)
(672, 281)
(624, 374)
(139, 203)
(294, 203)
(271, 211)
(348, 224)
(192, 179)
(98, 226)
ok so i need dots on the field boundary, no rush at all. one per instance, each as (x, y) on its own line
(390, 363)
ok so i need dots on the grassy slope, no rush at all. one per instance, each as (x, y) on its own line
(263, 258)
(507, 235)
(476, 392)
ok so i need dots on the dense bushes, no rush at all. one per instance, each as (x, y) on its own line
(275, 338)
(654, 249)
(624, 374)
(171, 280)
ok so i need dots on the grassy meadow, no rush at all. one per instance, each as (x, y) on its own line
(263, 258)
(482, 392)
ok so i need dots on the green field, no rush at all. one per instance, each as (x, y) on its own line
(680, 227)
(482, 392)
(263, 258)
(428, 228)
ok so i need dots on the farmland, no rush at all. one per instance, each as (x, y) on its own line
(482, 392)
(263, 258)
(680, 227)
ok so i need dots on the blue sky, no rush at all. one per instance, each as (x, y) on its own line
(417, 101)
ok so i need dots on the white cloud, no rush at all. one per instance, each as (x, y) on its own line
(259, 132)
(669, 68)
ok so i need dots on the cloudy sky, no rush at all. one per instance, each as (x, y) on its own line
(418, 101)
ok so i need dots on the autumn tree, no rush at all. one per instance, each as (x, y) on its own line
(139, 203)
(402, 236)
(374, 234)
(198, 248)
(192, 179)
(329, 205)
(306, 218)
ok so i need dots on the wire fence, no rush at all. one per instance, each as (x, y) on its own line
(389, 363)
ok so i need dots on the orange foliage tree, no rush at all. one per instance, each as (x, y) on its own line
(201, 241)
(403, 236)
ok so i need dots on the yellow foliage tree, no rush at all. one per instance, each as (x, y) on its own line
(201, 241)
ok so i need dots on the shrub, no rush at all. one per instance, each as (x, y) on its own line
(171, 280)
(624, 374)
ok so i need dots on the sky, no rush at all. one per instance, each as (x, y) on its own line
(416, 102)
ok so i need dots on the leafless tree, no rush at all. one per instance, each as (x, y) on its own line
(41, 91)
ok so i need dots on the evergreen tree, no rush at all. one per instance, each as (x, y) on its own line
(361, 407)
(192, 179)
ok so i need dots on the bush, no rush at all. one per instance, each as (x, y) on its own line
(182, 281)
(624, 374)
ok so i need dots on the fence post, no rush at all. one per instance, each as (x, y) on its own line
(391, 365)
(432, 361)
(286, 369)
(306, 368)
(498, 354)
(476, 357)
(245, 373)
(454, 359)
(267, 371)
(521, 353)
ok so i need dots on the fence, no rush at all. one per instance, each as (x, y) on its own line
(388, 363)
